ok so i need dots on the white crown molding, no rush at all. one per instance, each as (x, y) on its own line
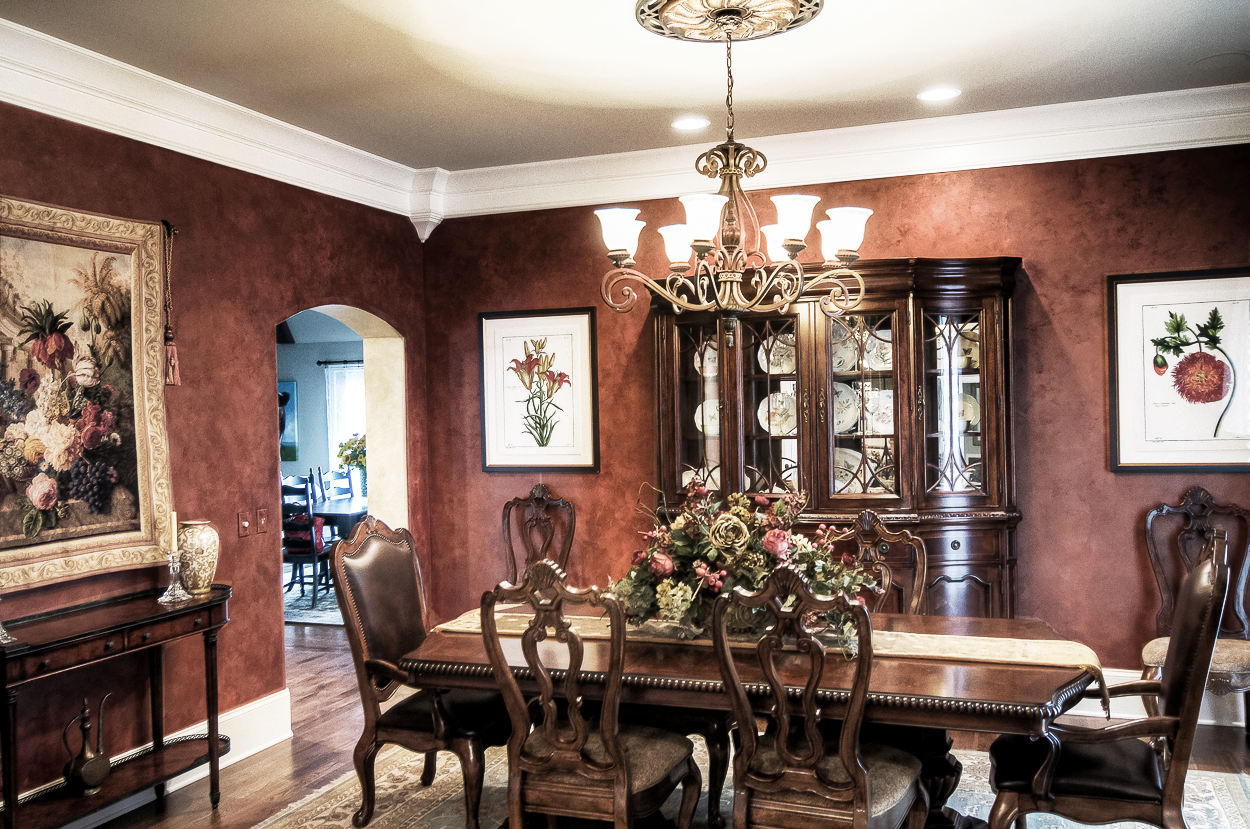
(57, 78)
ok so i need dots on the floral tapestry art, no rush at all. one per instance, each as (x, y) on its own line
(1204, 375)
(541, 380)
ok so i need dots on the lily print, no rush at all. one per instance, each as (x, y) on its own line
(1199, 376)
(542, 381)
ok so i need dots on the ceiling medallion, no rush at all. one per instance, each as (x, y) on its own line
(704, 20)
(738, 266)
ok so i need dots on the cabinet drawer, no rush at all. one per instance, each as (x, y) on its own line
(36, 665)
(164, 631)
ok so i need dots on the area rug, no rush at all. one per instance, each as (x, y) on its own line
(298, 609)
(1212, 800)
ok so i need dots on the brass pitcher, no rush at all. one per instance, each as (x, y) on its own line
(85, 772)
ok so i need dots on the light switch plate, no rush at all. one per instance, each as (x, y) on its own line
(262, 521)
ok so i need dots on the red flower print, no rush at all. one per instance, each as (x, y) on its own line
(1201, 378)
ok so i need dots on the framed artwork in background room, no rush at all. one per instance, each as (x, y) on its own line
(288, 422)
(540, 397)
(84, 455)
(1180, 370)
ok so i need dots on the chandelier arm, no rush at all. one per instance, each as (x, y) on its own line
(846, 290)
(671, 290)
(785, 279)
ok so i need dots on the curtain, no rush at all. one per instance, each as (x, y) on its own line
(345, 402)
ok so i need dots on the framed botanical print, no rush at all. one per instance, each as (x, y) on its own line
(1180, 370)
(540, 398)
(84, 456)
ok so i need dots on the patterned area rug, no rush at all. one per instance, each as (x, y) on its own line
(298, 609)
(1212, 800)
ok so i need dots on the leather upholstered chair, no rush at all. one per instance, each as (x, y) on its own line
(539, 525)
(377, 578)
(897, 559)
(794, 775)
(563, 759)
(1106, 775)
(1175, 538)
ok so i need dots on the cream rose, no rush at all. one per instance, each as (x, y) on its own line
(729, 533)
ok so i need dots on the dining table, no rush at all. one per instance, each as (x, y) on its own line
(931, 675)
(341, 513)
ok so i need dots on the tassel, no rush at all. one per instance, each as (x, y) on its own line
(172, 378)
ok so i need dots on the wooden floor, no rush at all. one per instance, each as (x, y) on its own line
(326, 721)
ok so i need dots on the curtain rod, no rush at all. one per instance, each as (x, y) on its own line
(340, 362)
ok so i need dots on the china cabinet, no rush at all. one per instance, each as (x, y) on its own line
(902, 407)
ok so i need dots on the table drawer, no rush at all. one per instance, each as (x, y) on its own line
(170, 629)
(42, 664)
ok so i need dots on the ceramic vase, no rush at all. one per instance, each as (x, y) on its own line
(364, 482)
(198, 549)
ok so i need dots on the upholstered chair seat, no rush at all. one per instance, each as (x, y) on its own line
(651, 753)
(1121, 770)
(893, 771)
(475, 714)
(1232, 656)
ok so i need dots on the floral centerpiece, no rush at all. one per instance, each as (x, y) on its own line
(711, 545)
(352, 453)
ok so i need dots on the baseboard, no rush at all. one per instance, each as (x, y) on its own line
(1226, 710)
(252, 728)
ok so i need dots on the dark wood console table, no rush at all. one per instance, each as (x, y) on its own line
(61, 640)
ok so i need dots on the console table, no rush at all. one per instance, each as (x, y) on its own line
(62, 640)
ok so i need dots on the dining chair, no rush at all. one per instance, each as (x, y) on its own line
(792, 774)
(1175, 538)
(538, 525)
(335, 484)
(1110, 774)
(567, 759)
(381, 594)
(541, 526)
(303, 540)
(897, 559)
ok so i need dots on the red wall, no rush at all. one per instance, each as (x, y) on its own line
(1082, 559)
(249, 253)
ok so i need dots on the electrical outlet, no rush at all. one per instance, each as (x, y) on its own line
(262, 521)
(245, 524)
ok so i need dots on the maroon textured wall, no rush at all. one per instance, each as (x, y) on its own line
(249, 253)
(1082, 557)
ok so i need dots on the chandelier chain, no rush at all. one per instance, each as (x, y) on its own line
(729, 93)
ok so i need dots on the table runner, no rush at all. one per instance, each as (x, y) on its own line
(1055, 653)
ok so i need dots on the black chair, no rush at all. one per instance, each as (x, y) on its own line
(793, 775)
(1105, 775)
(303, 541)
(335, 484)
(381, 595)
(576, 760)
(1175, 538)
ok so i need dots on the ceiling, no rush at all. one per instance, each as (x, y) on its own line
(470, 85)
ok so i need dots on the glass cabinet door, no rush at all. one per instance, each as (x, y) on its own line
(769, 364)
(954, 403)
(699, 404)
(858, 407)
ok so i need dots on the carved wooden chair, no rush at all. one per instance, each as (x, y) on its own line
(542, 524)
(793, 775)
(1106, 775)
(303, 543)
(560, 760)
(1175, 538)
(381, 595)
(897, 559)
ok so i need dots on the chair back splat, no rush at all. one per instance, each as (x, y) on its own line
(897, 559)
(539, 525)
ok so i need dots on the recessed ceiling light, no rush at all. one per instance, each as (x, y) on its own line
(939, 93)
(691, 122)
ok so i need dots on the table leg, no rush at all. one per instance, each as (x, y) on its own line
(8, 743)
(156, 688)
(214, 750)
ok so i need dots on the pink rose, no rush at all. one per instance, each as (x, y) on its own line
(761, 501)
(848, 559)
(29, 380)
(92, 435)
(640, 556)
(43, 492)
(777, 544)
(661, 565)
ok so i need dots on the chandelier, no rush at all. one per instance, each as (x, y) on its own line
(731, 271)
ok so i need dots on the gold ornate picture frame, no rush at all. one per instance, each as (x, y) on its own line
(84, 452)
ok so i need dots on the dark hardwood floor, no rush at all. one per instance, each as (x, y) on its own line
(326, 721)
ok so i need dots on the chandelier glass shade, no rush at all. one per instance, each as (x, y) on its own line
(721, 259)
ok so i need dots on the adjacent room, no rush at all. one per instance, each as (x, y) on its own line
(846, 405)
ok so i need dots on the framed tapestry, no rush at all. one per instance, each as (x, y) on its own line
(540, 396)
(84, 455)
(1180, 371)
(288, 421)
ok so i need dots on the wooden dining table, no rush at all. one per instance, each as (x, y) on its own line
(913, 700)
(342, 513)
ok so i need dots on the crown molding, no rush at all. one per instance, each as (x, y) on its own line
(50, 76)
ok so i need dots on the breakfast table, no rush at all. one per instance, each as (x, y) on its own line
(930, 675)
